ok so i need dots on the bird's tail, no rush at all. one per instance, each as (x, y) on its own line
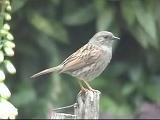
(49, 70)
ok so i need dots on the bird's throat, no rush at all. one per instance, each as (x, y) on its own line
(106, 48)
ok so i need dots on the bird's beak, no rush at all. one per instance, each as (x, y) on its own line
(116, 38)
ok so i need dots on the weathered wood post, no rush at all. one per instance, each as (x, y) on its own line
(87, 107)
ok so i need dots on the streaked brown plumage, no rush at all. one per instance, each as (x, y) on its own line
(89, 61)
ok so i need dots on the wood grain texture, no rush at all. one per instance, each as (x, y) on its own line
(87, 107)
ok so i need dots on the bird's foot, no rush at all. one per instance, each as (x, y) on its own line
(93, 90)
(89, 87)
(82, 91)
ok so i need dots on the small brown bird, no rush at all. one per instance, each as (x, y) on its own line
(89, 61)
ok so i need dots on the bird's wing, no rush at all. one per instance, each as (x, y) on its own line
(86, 55)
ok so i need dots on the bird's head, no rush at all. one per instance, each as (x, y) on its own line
(103, 38)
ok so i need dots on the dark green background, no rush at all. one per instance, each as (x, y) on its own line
(48, 31)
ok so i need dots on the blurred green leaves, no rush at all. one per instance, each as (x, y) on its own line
(105, 15)
(138, 12)
(128, 12)
(114, 109)
(74, 15)
(19, 100)
(48, 31)
(104, 20)
(148, 25)
(152, 92)
(51, 28)
(17, 4)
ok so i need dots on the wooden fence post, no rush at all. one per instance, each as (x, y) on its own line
(87, 107)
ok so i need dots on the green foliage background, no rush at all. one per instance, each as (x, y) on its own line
(48, 31)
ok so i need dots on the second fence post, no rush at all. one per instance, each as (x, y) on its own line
(87, 105)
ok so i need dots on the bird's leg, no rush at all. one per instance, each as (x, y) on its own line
(81, 86)
(88, 86)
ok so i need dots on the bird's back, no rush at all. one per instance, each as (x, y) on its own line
(88, 62)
